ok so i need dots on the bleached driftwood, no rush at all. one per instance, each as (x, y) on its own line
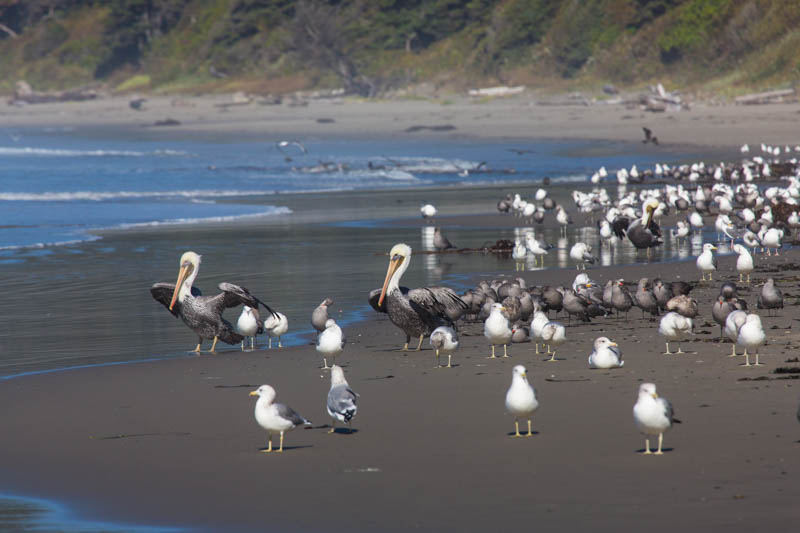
(768, 97)
(25, 93)
(502, 90)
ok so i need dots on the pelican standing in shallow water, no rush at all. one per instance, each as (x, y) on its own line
(419, 311)
(203, 314)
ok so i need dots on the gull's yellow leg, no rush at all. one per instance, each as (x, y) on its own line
(516, 425)
(746, 358)
(437, 359)
(733, 351)
(505, 351)
(757, 363)
(269, 445)
(553, 358)
(679, 349)
(333, 426)
(492, 356)
(667, 352)
(281, 447)
(660, 440)
(647, 447)
(448, 360)
(530, 434)
(197, 348)
(748, 277)
(325, 362)
(537, 347)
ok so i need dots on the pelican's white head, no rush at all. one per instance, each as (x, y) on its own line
(189, 266)
(399, 256)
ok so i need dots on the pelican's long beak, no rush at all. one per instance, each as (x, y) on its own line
(182, 274)
(254, 393)
(649, 216)
(394, 264)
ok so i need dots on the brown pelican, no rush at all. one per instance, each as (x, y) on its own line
(203, 314)
(642, 232)
(419, 311)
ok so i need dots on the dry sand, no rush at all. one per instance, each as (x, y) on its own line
(175, 443)
(521, 117)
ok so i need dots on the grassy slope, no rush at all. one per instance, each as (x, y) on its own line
(712, 46)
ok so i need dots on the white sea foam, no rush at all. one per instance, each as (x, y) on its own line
(62, 152)
(99, 196)
(274, 210)
(38, 245)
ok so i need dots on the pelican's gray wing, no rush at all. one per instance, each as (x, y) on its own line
(342, 401)
(284, 411)
(162, 293)
(437, 300)
(235, 295)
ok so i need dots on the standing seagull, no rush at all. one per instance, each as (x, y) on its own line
(444, 340)
(497, 329)
(276, 325)
(440, 242)
(553, 335)
(653, 415)
(770, 296)
(249, 324)
(275, 417)
(331, 341)
(203, 314)
(581, 253)
(341, 399)
(428, 211)
(319, 316)
(751, 335)
(521, 398)
(419, 311)
(675, 327)
(706, 262)
(744, 263)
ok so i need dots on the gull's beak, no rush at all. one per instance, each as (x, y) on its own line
(524, 374)
(503, 308)
(613, 344)
(254, 393)
(588, 285)
(182, 274)
(713, 247)
(655, 396)
(394, 264)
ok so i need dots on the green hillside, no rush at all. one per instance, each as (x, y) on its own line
(370, 47)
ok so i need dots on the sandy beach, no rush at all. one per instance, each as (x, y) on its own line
(705, 126)
(175, 443)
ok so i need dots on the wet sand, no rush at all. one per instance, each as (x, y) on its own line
(175, 443)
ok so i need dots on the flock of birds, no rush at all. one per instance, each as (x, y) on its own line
(513, 312)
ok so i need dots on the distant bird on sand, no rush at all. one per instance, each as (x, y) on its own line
(275, 417)
(330, 342)
(444, 340)
(521, 398)
(319, 316)
(341, 399)
(276, 325)
(653, 415)
(428, 211)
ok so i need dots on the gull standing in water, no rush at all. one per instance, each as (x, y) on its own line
(706, 262)
(330, 342)
(653, 415)
(418, 311)
(249, 324)
(428, 211)
(444, 340)
(203, 314)
(341, 399)
(275, 417)
(521, 399)
(581, 253)
(518, 253)
(497, 329)
(276, 325)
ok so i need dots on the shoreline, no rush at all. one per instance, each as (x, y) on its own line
(435, 467)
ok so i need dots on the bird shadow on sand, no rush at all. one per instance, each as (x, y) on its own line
(342, 431)
(522, 433)
(665, 450)
(285, 448)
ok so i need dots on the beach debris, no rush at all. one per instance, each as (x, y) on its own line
(500, 90)
(653, 415)
(24, 93)
(330, 342)
(137, 435)
(438, 127)
(342, 399)
(136, 103)
(521, 399)
(275, 417)
(167, 122)
(768, 97)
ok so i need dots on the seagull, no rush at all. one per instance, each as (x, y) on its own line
(330, 342)
(581, 253)
(770, 296)
(751, 335)
(653, 415)
(319, 316)
(518, 253)
(280, 145)
(537, 249)
(733, 323)
(649, 137)
(276, 325)
(675, 327)
(744, 263)
(248, 325)
(521, 398)
(706, 262)
(553, 335)
(440, 242)
(563, 218)
(444, 340)
(341, 399)
(606, 354)
(275, 417)
(428, 212)
(497, 329)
